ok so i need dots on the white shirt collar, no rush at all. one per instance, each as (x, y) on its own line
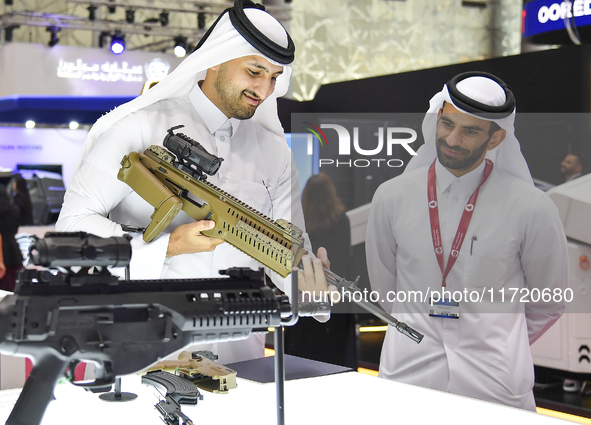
(212, 116)
(470, 180)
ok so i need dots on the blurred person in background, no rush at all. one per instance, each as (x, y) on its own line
(22, 201)
(12, 259)
(327, 226)
(572, 166)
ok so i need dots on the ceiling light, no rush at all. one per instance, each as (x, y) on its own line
(117, 43)
(180, 46)
(130, 16)
(91, 12)
(102, 40)
(8, 32)
(30, 124)
(53, 40)
(164, 19)
(74, 125)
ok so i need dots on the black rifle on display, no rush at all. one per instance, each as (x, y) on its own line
(59, 317)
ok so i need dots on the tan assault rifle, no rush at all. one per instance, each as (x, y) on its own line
(155, 176)
(174, 179)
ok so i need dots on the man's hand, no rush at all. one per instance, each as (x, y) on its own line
(311, 280)
(187, 239)
(323, 255)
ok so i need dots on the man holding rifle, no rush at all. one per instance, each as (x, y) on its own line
(224, 94)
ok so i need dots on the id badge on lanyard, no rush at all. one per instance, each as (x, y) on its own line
(446, 307)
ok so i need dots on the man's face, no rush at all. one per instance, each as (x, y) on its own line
(570, 165)
(463, 140)
(242, 84)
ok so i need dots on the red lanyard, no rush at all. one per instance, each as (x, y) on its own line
(464, 222)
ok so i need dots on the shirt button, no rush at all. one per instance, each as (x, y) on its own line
(222, 138)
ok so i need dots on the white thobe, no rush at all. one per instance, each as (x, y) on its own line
(515, 240)
(257, 169)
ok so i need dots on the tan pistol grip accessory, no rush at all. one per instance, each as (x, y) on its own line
(144, 183)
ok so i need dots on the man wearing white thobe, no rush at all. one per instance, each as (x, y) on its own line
(514, 241)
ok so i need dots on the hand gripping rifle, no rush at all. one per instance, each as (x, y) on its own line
(59, 317)
(167, 178)
(171, 180)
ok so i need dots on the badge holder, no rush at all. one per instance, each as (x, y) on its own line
(447, 308)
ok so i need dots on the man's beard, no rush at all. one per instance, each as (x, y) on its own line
(232, 98)
(460, 163)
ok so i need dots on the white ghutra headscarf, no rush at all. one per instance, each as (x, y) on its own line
(483, 96)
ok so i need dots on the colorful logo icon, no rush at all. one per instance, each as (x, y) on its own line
(316, 130)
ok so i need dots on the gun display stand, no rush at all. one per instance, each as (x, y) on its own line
(117, 395)
(279, 362)
(278, 345)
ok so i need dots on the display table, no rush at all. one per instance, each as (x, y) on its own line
(345, 398)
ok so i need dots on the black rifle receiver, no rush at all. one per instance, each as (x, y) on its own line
(59, 318)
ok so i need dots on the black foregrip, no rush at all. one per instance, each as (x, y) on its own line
(183, 391)
(38, 391)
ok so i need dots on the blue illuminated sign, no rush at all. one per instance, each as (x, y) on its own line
(541, 16)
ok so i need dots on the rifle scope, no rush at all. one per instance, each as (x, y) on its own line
(80, 249)
(191, 153)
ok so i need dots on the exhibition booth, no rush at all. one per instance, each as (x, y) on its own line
(49, 99)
